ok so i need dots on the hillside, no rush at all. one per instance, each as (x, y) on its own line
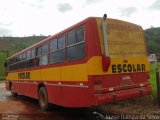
(11, 45)
(4, 44)
(18, 43)
(152, 36)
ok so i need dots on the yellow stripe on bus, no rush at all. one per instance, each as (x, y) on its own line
(78, 72)
(95, 64)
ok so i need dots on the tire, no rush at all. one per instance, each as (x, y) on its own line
(43, 99)
(12, 92)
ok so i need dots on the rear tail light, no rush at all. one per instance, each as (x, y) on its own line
(106, 61)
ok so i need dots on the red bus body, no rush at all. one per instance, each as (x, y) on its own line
(98, 86)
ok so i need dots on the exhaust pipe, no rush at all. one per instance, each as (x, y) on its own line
(104, 30)
(105, 57)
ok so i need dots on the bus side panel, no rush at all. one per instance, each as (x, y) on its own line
(76, 97)
(52, 77)
(17, 87)
(54, 94)
(31, 90)
(27, 89)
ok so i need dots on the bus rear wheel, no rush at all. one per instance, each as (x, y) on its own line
(43, 99)
(12, 91)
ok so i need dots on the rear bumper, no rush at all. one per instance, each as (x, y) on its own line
(103, 98)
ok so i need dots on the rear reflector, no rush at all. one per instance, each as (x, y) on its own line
(111, 89)
(141, 85)
(98, 87)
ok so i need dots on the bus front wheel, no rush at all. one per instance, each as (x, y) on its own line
(43, 99)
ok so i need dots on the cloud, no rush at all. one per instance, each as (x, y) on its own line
(64, 7)
(41, 0)
(155, 5)
(88, 2)
(5, 32)
(36, 5)
(6, 24)
(127, 12)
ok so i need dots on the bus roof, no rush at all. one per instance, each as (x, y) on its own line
(63, 31)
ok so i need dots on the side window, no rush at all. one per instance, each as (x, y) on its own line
(44, 55)
(30, 58)
(53, 45)
(16, 59)
(44, 60)
(57, 50)
(76, 45)
(19, 61)
(39, 51)
(24, 56)
(45, 49)
(14, 65)
(22, 64)
(61, 42)
(29, 54)
(20, 57)
(76, 52)
(33, 53)
(57, 56)
(71, 38)
(22, 61)
(80, 35)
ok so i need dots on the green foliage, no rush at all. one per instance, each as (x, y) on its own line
(16, 44)
(153, 79)
(152, 36)
(3, 56)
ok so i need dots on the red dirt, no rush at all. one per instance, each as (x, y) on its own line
(28, 108)
(2, 85)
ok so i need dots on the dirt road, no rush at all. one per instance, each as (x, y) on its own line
(25, 108)
(2, 85)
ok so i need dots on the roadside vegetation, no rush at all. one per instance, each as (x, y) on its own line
(153, 78)
(3, 56)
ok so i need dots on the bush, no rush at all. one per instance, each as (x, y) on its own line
(2, 78)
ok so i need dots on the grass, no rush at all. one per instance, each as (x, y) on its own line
(153, 78)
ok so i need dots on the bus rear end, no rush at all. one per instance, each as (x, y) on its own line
(123, 72)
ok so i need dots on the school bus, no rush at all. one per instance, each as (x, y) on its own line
(94, 62)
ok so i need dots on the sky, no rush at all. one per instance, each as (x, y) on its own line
(48, 17)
